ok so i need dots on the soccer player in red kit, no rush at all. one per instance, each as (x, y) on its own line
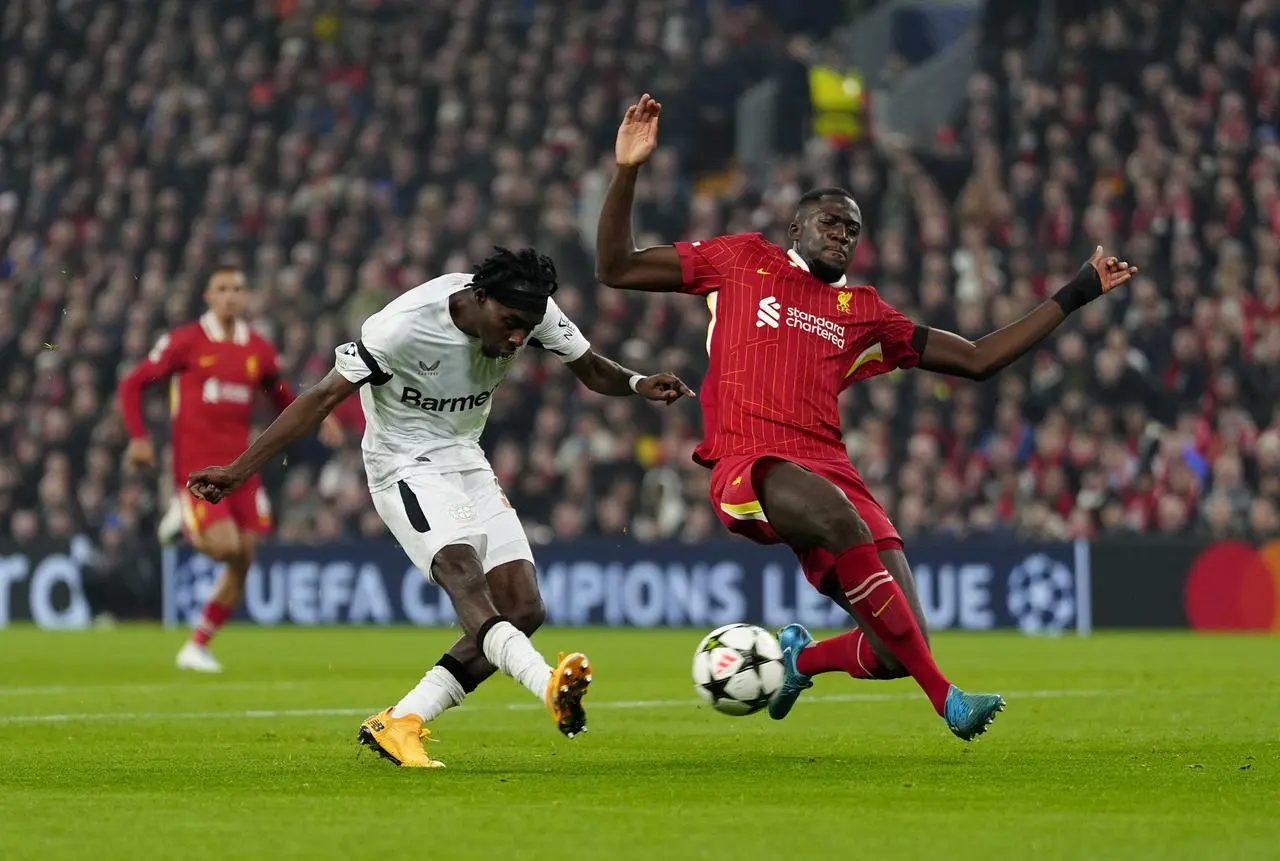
(217, 367)
(788, 333)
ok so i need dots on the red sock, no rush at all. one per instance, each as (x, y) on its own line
(214, 617)
(871, 590)
(849, 652)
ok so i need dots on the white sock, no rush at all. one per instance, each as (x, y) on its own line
(508, 649)
(437, 691)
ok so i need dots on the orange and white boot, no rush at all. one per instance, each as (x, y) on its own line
(568, 685)
(399, 739)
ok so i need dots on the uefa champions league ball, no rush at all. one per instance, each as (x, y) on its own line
(737, 668)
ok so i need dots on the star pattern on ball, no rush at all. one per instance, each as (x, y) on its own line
(716, 687)
(751, 660)
(759, 702)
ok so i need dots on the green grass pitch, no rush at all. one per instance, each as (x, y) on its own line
(1117, 746)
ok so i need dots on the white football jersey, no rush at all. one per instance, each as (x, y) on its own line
(428, 387)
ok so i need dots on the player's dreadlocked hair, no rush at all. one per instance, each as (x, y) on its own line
(521, 279)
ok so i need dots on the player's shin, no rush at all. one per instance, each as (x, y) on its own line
(882, 606)
(508, 649)
(222, 603)
(444, 686)
(850, 652)
(212, 618)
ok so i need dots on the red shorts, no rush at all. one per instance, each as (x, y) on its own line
(735, 496)
(247, 506)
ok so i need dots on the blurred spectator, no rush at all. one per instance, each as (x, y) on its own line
(342, 153)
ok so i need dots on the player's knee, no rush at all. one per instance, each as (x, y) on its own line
(529, 615)
(840, 527)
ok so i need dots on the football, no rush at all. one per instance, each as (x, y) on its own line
(737, 668)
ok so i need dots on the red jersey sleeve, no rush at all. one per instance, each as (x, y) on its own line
(167, 358)
(276, 388)
(706, 266)
(897, 334)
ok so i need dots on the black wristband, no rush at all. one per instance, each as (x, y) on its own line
(1080, 291)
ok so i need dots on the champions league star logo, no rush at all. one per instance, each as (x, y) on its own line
(1042, 595)
(193, 581)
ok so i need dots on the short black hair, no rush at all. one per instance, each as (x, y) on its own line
(225, 269)
(521, 279)
(814, 195)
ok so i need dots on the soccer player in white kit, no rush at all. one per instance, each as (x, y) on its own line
(426, 367)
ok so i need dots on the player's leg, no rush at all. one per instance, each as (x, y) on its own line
(214, 534)
(464, 667)
(226, 533)
(860, 653)
(512, 587)
(808, 511)
(434, 520)
(513, 583)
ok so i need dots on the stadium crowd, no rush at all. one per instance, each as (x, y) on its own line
(343, 156)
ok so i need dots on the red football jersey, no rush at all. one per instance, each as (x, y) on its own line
(214, 383)
(783, 344)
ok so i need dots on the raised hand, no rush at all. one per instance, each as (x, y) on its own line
(1113, 272)
(638, 134)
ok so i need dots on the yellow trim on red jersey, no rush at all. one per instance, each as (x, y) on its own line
(874, 353)
(752, 510)
(711, 326)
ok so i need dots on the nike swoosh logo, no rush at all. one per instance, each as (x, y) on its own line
(762, 272)
(876, 614)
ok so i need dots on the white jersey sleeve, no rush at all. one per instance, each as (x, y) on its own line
(557, 334)
(371, 358)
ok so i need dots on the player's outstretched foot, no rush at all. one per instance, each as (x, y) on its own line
(398, 739)
(793, 639)
(197, 659)
(969, 715)
(569, 683)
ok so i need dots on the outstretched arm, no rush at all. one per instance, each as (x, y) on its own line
(609, 378)
(949, 353)
(166, 359)
(618, 262)
(294, 422)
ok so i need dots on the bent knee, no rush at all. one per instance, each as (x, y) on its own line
(529, 615)
(838, 528)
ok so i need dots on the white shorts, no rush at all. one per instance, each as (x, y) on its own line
(429, 511)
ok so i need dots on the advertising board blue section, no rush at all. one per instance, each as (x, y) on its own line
(1038, 588)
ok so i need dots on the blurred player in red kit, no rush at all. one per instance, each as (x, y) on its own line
(217, 367)
(788, 333)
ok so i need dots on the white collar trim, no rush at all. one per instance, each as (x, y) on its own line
(797, 260)
(214, 331)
